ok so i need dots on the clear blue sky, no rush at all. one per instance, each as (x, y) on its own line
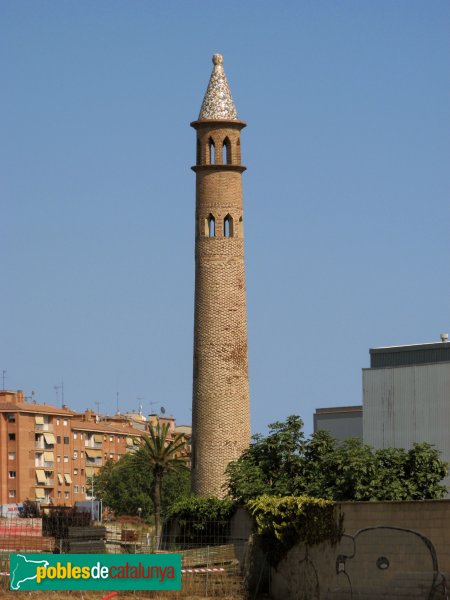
(346, 194)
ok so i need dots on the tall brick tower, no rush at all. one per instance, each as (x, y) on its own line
(221, 403)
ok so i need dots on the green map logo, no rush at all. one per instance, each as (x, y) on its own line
(24, 570)
(95, 572)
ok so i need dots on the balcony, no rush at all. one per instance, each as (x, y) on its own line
(44, 464)
(96, 462)
(90, 444)
(46, 500)
(44, 447)
(43, 427)
(47, 482)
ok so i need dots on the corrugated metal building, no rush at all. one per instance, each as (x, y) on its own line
(342, 422)
(406, 397)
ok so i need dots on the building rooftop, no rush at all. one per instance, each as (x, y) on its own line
(34, 408)
(184, 429)
(411, 354)
(340, 409)
(218, 103)
(104, 427)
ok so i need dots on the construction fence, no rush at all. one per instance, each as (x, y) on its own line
(211, 560)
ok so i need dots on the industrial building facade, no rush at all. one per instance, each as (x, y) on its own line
(342, 422)
(406, 394)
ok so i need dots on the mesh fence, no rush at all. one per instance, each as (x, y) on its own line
(211, 562)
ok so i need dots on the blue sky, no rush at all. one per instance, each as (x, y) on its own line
(346, 194)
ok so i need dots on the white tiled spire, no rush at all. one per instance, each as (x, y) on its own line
(218, 103)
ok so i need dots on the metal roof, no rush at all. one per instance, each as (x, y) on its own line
(412, 354)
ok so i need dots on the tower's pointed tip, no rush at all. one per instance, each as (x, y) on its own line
(218, 102)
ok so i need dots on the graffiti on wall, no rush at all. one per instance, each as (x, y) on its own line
(380, 562)
(388, 562)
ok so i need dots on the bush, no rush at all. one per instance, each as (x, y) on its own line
(203, 521)
(285, 521)
(29, 509)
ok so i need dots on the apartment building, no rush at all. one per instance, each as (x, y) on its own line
(50, 454)
(186, 432)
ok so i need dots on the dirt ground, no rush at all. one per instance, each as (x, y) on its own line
(9, 595)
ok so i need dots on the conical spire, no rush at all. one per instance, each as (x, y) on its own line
(218, 103)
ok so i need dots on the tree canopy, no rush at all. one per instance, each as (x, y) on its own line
(285, 463)
(124, 489)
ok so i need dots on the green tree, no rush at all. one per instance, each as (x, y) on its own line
(313, 479)
(158, 455)
(425, 472)
(270, 463)
(124, 489)
(285, 463)
(392, 482)
(349, 470)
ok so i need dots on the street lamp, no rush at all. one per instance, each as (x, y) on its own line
(92, 497)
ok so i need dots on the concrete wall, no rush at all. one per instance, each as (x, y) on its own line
(390, 550)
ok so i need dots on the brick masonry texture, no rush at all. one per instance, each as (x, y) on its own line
(221, 404)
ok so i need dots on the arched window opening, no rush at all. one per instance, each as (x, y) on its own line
(212, 158)
(238, 151)
(199, 152)
(228, 226)
(210, 226)
(241, 227)
(227, 151)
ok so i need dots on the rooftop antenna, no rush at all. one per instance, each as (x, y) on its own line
(140, 406)
(32, 398)
(163, 410)
(57, 388)
(151, 407)
(4, 377)
(97, 404)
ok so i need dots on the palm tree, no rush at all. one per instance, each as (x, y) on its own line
(160, 453)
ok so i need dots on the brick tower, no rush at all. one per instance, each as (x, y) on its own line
(221, 403)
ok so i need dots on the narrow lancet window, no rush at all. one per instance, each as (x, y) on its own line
(227, 151)
(228, 226)
(212, 158)
(210, 226)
